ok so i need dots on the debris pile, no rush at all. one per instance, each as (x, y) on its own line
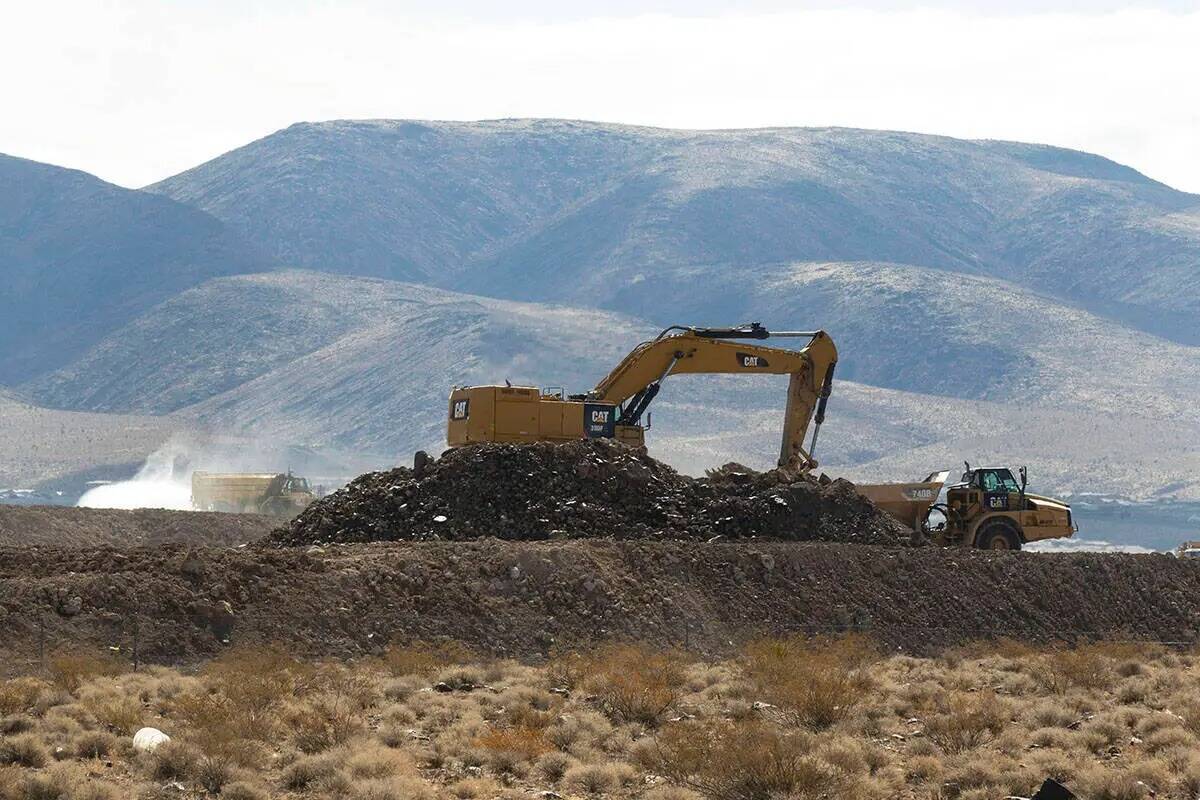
(585, 489)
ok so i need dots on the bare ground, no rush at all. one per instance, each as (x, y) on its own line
(180, 604)
(99, 527)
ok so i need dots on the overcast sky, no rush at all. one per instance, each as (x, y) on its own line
(135, 91)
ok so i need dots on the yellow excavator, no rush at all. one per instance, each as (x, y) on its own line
(987, 509)
(616, 407)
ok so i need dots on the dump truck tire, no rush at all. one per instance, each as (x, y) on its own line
(997, 535)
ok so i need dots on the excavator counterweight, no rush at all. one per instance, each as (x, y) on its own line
(616, 406)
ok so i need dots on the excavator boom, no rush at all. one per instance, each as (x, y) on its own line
(616, 405)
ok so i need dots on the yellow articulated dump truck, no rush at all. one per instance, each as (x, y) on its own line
(280, 494)
(988, 508)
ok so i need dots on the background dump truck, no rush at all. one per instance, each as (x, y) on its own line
(281, 494)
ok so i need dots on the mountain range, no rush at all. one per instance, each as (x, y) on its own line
(324, 286)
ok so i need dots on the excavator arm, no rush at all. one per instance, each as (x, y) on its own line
(633, 384)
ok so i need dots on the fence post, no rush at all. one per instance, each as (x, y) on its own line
(42, 641)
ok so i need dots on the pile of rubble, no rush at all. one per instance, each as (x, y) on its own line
(590, 488)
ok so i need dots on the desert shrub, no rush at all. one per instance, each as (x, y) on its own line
(242, 790)
(19, 695)
(568, 669)
(117, 712)
(966, 720)
(25, 750)
(333, 712)
(212, 772)
(669, 792)
(257, 680)
(70, 670)
(813, 682)
(14, 724)
(321, 723)
(396, 788)
(471, 788)
(173, 760)
(1052, 715)
(553, 765)
(508, 747)
(1102, 783)
(62, 782)
(744, 761)
(923, 769)
(591, 779)
(633, 683)
(373, 761)
(420, 658)
(308, 771)
(94, 744)
(1085, 666)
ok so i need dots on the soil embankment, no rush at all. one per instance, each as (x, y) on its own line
(516, 550)
(522, 598)
(98, 527)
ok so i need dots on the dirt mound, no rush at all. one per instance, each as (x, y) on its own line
(585, 489)
(524, 598)
(97, 527)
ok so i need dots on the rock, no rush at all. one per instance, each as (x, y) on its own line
(1053, 790)
(147, 740)
(70, 606)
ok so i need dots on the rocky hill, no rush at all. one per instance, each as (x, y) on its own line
(364, 365)
(583, 213)
(80, 257)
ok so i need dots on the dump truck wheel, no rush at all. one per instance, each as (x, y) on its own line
(997, 536)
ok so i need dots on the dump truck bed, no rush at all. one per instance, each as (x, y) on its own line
(907, 502)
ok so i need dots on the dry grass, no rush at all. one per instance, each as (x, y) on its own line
(799, 718)
(69, 670)
(633, 683)
(814, 682)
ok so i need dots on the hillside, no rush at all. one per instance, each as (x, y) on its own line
(920, 330)
(364, 365)
(39, 444)
(80, 257)
(582, 213)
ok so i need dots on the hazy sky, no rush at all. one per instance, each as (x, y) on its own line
(134, 91)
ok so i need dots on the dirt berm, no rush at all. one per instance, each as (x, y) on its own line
(98, 527)
(586, 489)
(522, 598)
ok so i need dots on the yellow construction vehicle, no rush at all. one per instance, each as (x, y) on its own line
(279, 494)
(615, 408)
(988, 508)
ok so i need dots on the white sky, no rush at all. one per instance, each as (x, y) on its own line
(134, 91)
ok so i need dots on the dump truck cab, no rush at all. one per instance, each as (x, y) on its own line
(989, 508)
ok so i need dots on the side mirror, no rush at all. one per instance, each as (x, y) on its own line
(1024, 478)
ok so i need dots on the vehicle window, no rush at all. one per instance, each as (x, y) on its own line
(999, 480)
